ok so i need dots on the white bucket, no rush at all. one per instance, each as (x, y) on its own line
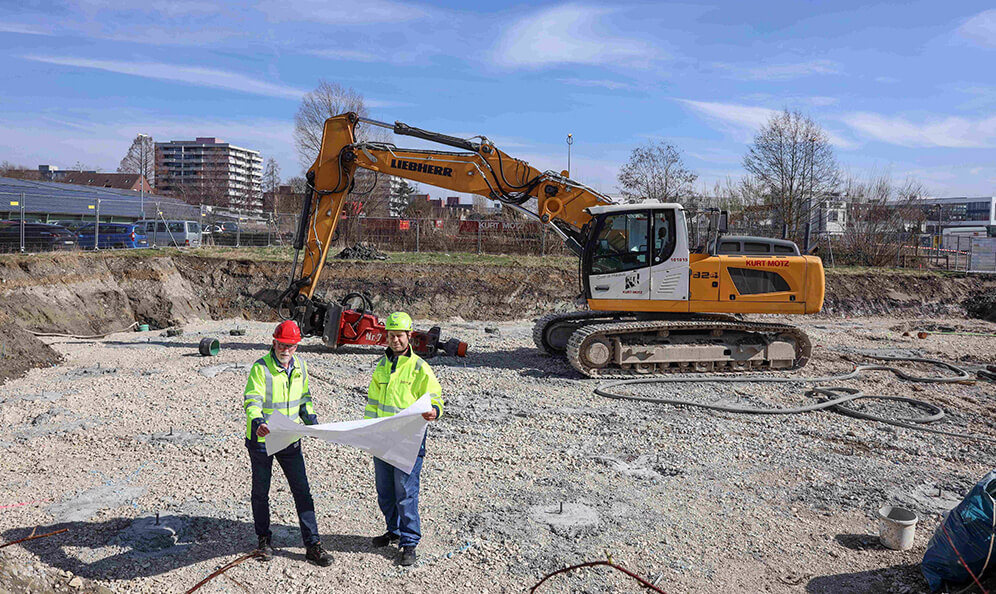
(896, 527)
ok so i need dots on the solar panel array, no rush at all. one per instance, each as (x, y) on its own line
(70, 200)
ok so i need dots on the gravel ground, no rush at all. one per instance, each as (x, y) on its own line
(526, 473)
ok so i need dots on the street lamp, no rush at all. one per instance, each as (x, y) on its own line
(142, 172)
(570, 141)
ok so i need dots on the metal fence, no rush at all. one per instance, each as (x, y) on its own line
(239, 228)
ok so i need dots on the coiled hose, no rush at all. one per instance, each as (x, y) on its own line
(838, 396)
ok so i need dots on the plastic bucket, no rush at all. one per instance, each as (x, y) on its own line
(209, 347)
(896, 527)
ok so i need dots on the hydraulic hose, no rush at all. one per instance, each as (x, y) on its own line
(838, 396)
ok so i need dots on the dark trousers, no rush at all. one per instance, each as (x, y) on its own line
(292, 463)
(397, 496)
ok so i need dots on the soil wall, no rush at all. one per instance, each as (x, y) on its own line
(88, 294)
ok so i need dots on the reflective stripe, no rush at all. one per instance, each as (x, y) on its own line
(418, 365)
(383, 407)
(268, 399)
(294, 403)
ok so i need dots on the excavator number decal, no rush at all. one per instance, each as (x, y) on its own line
(705, 275)
(421, 167)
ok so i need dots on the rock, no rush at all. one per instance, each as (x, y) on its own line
(76, 582)
(362, 251)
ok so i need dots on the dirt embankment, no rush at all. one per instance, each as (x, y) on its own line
(92, 294)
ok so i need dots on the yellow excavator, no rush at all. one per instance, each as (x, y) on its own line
(655, 303)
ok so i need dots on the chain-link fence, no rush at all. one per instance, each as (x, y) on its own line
(23, 229)
(451, 235)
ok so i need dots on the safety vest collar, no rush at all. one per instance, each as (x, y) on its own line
(393, 359)
(270, 360)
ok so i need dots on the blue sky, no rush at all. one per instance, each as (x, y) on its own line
(904, 88)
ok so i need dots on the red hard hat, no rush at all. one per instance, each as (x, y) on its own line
(287, 332)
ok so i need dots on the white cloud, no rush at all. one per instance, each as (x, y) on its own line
(608, 84)
(951, 132)
(23, 29)
(981, 28)
(335, 13)
(776, 72)
(742, 121)
(567, 34)
(203, 77)
(743, 116)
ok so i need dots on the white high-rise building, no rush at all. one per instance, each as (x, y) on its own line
(208, 171)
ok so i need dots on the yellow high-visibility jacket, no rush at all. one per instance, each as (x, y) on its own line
(269, 390)
(398, 382)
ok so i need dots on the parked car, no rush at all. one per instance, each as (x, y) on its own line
(38, 237)
(172, 233)
(112, 235)
(71, 224)
(227, 227)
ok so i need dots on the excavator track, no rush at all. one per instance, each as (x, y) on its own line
(642, 348)
(552, 332)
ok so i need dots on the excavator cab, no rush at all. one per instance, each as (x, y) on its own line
(635, 252)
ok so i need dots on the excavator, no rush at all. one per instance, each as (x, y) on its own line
(655, 304)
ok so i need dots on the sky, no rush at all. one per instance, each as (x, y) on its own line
(905, 89)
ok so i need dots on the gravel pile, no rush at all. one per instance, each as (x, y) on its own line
(362, 251)
(527, 472)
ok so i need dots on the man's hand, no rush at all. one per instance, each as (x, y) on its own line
(262, 430)
(430, 416)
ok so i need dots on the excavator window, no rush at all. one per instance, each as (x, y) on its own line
(664, 235)
(621, 243)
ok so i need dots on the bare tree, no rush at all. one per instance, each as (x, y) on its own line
(298, 184)
(327, 100)
(141, 158)
(271, 176)
(655, 171)
(792, 163)
(401, 197)
(8, 169)
(881, 216)
(81, 167)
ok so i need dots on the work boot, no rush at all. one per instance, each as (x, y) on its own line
(265, 548)
(385, 539)
(407, 556)
(318, 555)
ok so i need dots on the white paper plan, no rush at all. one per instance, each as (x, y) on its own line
(395, 440)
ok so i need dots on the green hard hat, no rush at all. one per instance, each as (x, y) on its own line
(398, 321)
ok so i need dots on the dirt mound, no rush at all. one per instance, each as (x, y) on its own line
(898, 293)
(982, 305)
(21, 351)
(362, 251)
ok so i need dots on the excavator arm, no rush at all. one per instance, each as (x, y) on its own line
(479, 167)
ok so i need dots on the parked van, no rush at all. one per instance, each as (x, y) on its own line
(112, 236)
(173, 233)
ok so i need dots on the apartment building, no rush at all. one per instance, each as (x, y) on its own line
(208, 171)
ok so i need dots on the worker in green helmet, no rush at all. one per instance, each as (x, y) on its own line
(400, 378)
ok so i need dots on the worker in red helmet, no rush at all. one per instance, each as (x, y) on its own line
(278, 384)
